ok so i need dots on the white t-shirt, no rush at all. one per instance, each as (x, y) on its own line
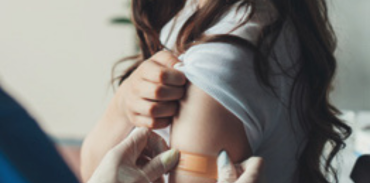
(225, 72)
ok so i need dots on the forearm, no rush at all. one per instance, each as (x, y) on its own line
(108, 132)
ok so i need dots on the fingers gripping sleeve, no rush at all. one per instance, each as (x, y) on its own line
(225, 72)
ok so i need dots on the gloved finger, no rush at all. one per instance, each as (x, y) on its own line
(239, 169)
(133, 145)
(226, 170)
(147, 152)
(253, 167)
(156, 145)
(143, 160)
(252, 161)
(161, 164)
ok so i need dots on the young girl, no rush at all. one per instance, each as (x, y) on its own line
(259, 72)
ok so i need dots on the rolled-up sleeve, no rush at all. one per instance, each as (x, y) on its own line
(226, 73)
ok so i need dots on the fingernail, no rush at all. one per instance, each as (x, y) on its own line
(223, 159)
(170, 158)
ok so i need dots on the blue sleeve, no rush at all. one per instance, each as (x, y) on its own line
(8, 174)
(27, 147)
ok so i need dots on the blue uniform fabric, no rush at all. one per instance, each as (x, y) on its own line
(8, 173)
(27, 148)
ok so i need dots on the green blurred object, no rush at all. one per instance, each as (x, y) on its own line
(121, 20)
(125, 21)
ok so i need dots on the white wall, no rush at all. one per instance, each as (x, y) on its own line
(352, 24)
(56, 57)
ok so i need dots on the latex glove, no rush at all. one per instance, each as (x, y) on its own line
(229, 173)
(142, 157)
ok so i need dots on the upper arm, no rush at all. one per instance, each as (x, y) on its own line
(225, 107)
(204, 126)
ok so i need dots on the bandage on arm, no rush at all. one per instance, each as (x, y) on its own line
(201, 130)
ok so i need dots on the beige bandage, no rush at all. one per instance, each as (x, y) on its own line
(198, 165)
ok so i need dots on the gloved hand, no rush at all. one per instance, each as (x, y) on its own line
(229, 173)
(142, 157)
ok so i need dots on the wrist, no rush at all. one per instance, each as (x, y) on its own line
(115, 114)
(119, 101)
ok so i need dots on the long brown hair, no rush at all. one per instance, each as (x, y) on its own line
(312, 83)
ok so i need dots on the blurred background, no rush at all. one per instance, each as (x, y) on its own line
(56, 58)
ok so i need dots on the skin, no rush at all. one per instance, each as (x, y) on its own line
(201, 3)
(148, 98)
(204, 121)
(119, 164)
(133, 106)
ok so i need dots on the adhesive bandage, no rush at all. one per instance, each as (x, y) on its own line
(198, 165)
